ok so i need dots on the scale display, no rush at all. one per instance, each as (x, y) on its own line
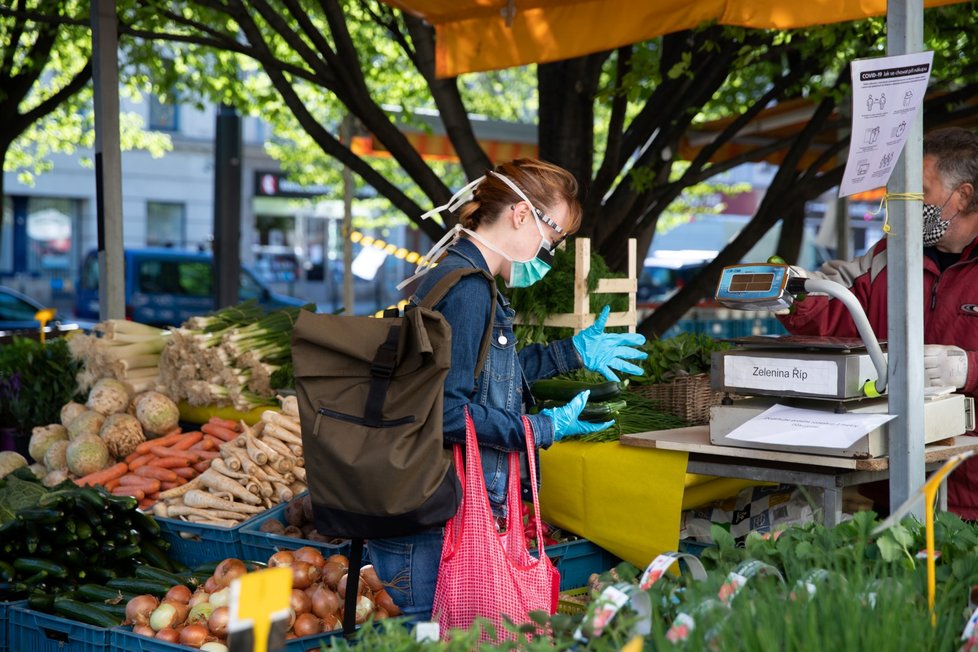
(759, 286)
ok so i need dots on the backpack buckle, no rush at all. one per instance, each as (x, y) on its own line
(383, 363)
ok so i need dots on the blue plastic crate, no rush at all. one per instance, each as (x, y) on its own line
(196, 543)
(5, 621)
(123, 640)
(259, 546)
(694, 547)
(576, 560)
(34, 631)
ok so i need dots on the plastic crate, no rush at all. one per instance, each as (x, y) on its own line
(123, 640)
(4, 621)
(196, 543)
(695, 548)
(576, 560)
(259, 546)
(35, 631)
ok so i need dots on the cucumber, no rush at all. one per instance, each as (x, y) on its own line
(85, 613)
(564, 390)
(99, 593)
(139, 586)
(603, 411)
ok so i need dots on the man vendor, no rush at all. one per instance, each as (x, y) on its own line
(950, 224)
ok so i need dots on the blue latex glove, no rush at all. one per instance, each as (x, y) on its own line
(603, 352)
(567, 420)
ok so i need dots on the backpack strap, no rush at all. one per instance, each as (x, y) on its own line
(441, 288)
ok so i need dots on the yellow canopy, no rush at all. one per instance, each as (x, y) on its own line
(476, 35)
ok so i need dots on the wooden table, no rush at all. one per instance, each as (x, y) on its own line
(830, 474)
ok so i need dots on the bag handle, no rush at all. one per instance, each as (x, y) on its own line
(441, 288)
(513, 502)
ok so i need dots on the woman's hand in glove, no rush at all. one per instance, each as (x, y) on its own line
(603, 352)
(945, 366)
(567, 420)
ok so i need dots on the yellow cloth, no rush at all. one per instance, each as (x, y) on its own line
(627, 500)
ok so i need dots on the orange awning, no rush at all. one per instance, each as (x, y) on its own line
(437, 147)
(476, 35)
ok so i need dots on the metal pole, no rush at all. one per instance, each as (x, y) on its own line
(108, 160)
(905, 29)
(227, 207)
(346, 136)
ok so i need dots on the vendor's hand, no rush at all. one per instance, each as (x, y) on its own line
(945, 366)
(567, 418)
(603, 352)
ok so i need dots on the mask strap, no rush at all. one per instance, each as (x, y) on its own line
(461, 196)
(426, 262)
(884, 205)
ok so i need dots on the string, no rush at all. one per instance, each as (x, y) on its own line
(884, 205)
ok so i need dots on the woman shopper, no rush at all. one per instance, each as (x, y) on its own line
(510, 222)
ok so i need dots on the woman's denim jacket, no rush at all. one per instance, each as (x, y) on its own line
(498, 400)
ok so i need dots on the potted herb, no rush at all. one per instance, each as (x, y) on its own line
(36, 379)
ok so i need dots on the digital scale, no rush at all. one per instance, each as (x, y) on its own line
(841, 375)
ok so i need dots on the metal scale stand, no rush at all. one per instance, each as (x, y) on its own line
(819, 373)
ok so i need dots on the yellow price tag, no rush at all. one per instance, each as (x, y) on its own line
(259, 610)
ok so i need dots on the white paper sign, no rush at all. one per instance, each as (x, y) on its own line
(817, 377)
(790, 426)
(887, 92)
(367, 262)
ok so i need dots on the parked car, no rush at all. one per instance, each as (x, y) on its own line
(17, 312)
(164, 287)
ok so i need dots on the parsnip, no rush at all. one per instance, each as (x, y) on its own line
(205, 500)
(217, 482)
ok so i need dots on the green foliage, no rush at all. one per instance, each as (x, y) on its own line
(555, 295)
(35, 381)
(19, 490)
(686, 354)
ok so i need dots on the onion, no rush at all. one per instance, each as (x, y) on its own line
(139, 609)
(200, 613)
(168, 634)
(281, 558)
(179, 593)
(384, 601)
(229, 570)
(331, 622)
(199, 596)
(218, 622)
(304, 574)
(194, 635)
(143, 630)
(332, 572)
(214, 646)
(311, 555)
(164, 616)
(307, 625)
(211, 585)
(181, 609)
(324, 602)
(220, 598)
(379, 613)
(342, 560)
(369, 575)
(300, 602)
(341, 587)
(365, 607)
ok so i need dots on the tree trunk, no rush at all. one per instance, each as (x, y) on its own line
(792, 232)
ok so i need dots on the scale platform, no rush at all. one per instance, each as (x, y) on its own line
(807, 367)
(945, 416)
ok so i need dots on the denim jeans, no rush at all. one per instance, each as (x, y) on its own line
(410, 566)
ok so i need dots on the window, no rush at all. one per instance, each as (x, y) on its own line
(185, 278)
(163, 116)
(164, 224)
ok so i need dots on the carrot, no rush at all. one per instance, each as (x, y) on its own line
(170, 462)
(222, 433)
(131, 456)
(142, 460)
(187, 440)
(161, 451)
(139, 482)
(205, 444)
(157, 473)
(165, 440)
(170, 485)
(111, 484)
(175, 431)
(126, 490)
(147, 503)
(200, 467)
(230, 424)
(101, 477)
(185, 472)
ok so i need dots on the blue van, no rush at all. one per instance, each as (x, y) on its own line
(164, 287)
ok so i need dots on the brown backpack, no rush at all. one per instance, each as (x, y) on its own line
(370, 407)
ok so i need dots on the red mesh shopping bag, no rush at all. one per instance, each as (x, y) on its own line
(484, 573)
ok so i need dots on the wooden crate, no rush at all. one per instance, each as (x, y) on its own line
(582, 317)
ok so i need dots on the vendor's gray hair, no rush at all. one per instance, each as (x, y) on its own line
(956, 150)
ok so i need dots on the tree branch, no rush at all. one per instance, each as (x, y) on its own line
(51, 103)
(611, 163)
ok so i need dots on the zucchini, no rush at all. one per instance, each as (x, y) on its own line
(145, 523)
(557, 389)
(603, 411)
(86, 613)
(99, 593)
(139, 586)
(40, 515)
(38, 601)
(34, 565)
(154, 555)
(158, 574)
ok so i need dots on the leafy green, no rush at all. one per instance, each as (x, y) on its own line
(17, 494)
(35, 381)
(686, 354)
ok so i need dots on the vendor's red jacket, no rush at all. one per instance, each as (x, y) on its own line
(950, 317)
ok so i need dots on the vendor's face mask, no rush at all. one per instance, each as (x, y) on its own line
(934, 226)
